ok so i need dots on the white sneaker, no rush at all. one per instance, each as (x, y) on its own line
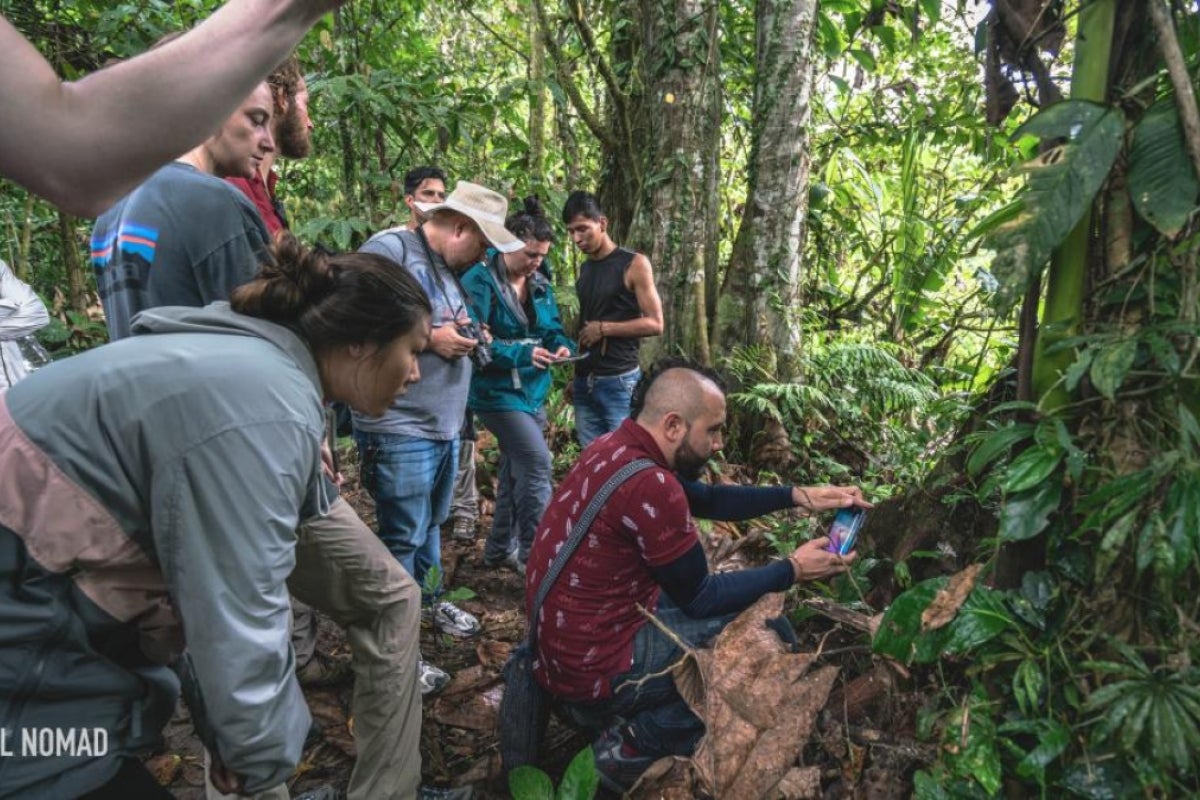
(449, 618)
(431, 679)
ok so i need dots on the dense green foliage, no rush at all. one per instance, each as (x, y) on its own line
(1070, 667)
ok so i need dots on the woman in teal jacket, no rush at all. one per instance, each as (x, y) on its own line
(511, 296)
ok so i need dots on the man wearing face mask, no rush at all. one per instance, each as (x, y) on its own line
(409, 455)
(605, 665)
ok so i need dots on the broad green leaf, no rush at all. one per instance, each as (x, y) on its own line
(1110, 366)
(1183, 508)
(581, 779)
(981, 758)
(1078, 368)
(864, 58)
(1113, 542)
(1025, 515)
(993, 443)
(1097, 779)
(1031, 468)
(982, 617)
(927, 787)
(530, 783)
(996, 219)
(901, 623)
(931, 9)
(1028, 683)
(1062, 184)
(830, 35)
(1162, 181)
(1053, 738)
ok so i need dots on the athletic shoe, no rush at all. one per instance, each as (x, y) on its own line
(432, 679)
(618, 765)
(463, 530)
(449, 618)
(510, 561)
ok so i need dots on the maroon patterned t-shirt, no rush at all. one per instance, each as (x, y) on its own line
(587, 623)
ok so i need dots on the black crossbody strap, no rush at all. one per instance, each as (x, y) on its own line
(578, 531)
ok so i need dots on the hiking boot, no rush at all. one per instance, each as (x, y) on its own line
(617, 763)
(463, 530)
(510, 561)
(431, 679)
(458, 793)
(322, 670)
(449, 618)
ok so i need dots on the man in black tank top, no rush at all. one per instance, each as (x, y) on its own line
(618, 307)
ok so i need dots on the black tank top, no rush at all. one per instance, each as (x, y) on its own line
(603, 297)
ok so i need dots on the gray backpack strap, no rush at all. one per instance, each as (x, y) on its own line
(578, 531)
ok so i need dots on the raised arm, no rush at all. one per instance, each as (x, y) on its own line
(84, 144)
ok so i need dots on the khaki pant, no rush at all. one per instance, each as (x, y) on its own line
(344, 571)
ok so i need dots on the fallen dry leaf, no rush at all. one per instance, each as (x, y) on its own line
(758, 701)
(470, 679)
(800, 783)
(475, 710)
(949, 599)
(493, 653)
(165, 767)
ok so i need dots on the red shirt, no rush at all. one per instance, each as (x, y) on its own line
(262, 195)
(589, 619)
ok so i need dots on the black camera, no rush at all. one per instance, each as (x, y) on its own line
(481, 354)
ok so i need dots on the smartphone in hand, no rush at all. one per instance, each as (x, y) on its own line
(843, 532)
(569, 359)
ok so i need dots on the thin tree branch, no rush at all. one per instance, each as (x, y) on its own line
(495, 34)
(1177, 70)
(602, 65)
(581, 107)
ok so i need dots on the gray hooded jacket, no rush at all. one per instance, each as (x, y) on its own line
(149, 495)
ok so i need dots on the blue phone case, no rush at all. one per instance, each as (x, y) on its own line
(843, 532)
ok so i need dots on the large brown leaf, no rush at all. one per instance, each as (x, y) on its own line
(949, 599)
(759, 703)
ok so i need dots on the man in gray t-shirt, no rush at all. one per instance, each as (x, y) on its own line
(409, 455)
(185, 237)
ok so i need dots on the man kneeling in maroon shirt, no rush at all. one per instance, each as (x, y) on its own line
(595, 649)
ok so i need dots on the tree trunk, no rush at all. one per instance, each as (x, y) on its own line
(537, 107)
(72, 263)
(671, 171)
(763, 281)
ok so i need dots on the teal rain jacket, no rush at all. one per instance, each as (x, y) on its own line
(511, 382)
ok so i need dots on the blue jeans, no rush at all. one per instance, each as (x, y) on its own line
(660, 723)
(523, 487)
(602, 403)
(411, 481)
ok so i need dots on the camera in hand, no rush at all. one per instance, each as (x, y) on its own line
(481, 354)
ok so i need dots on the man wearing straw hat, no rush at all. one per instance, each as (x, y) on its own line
(409, 455)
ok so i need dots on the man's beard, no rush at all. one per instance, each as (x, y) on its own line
(688, 462)
(292, 137)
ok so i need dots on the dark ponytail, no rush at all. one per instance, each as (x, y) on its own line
(333, 300)
(530, 223)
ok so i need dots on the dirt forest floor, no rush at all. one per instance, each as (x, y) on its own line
(856, 740)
